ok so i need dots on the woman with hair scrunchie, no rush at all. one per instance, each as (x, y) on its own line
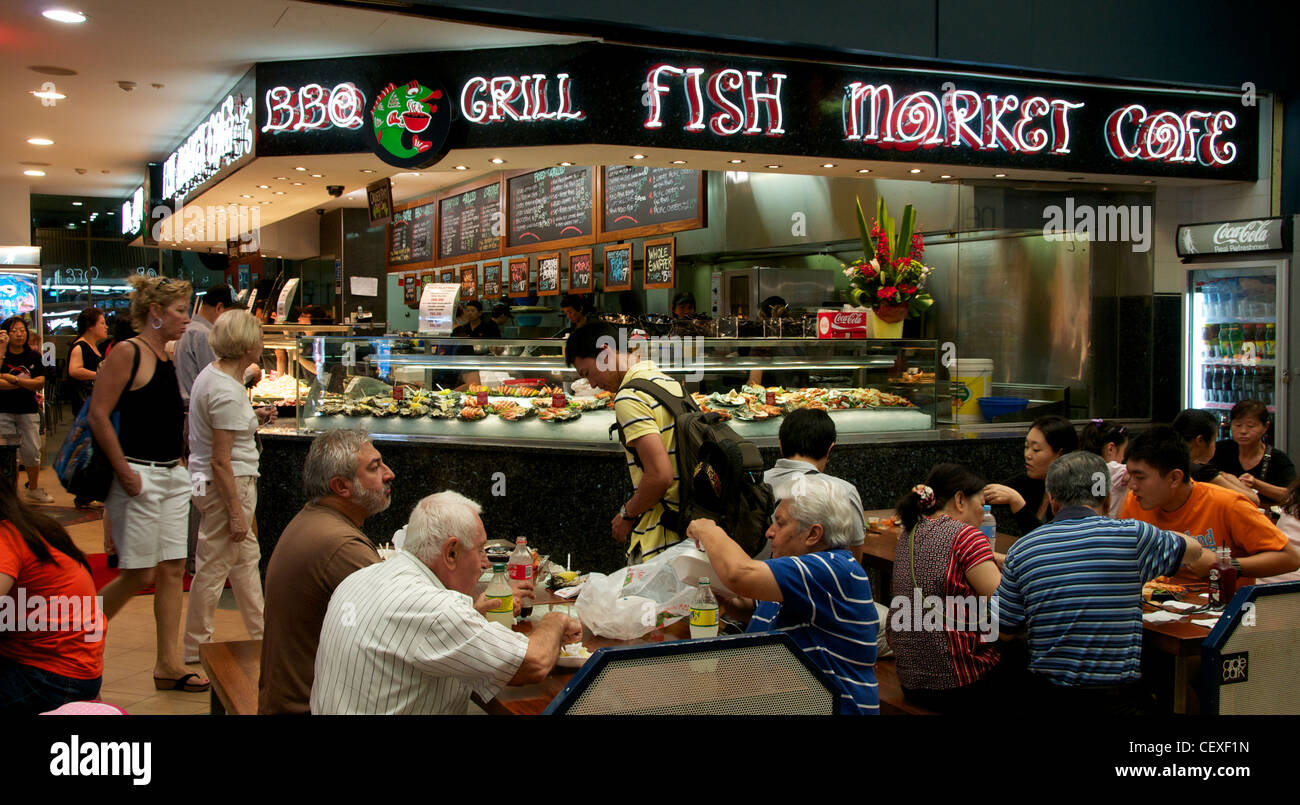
(942, 553)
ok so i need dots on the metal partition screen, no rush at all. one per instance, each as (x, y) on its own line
(1251, 660)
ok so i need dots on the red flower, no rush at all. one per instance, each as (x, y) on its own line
(907, 288)
(888, 292)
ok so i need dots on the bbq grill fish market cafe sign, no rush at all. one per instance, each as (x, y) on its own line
(224, 139)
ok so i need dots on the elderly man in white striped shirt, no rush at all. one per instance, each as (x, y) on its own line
(403, 636)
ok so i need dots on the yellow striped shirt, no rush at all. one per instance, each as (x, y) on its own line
(639, 414)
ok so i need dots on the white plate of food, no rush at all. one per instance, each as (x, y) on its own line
(573, 656)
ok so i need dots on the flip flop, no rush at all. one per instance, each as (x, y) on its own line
(162, 683)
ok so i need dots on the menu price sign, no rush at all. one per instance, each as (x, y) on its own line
(644, 200)
(379, 199)
(438, 308)
(469, 282)
(580, 271)
(410, 235)
(618, 268)
(552, 206)
(518, 273)
(492, 280)
(469, 222)
(286, 296)
(410, 286)
(447, 275)
(548, 274)
(659, 257)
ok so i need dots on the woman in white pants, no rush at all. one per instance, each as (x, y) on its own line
(223, 467)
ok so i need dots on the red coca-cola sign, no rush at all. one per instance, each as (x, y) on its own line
(842, 324)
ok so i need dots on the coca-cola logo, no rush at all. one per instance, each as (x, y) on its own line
(855, 319)
(1250, 232)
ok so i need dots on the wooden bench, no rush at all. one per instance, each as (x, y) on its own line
(890, 691)
(234, 669)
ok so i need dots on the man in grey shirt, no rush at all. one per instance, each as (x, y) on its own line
(193, 351)
(806, 438)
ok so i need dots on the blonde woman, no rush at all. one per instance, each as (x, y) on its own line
(223, 467)
(148, 504)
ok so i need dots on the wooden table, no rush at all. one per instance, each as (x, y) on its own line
(234, 668)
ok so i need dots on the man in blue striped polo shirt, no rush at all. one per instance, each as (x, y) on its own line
(1076, 584)
(811, 588)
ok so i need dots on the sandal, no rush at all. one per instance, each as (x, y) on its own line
(182, 684)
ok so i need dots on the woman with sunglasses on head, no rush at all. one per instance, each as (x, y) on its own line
(1262, 467)
(1108, 440)
(149, 501)
(1049, 438)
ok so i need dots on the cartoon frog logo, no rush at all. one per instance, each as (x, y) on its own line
(410, 124)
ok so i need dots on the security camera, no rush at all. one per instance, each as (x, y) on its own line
(334, 190)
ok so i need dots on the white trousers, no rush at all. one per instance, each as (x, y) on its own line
(219, 557)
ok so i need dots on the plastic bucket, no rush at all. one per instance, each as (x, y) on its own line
(972, 378)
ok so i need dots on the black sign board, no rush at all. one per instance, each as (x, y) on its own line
(379, 199)
(551, 206)
(1234, 237)
(469, 222)
(644, 200)
(410, 235)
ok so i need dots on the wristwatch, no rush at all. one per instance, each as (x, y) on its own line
(1236, 565)
(622, 512)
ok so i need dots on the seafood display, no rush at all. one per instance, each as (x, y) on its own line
(284, 390)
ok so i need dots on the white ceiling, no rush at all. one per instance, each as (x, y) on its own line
(196, 49)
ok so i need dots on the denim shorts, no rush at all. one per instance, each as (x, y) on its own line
(27, 690)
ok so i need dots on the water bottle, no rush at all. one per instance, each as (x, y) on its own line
(521, 569)
(989, 526)
(704, 612)
(502, 597)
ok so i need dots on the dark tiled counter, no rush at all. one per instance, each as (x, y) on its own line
(562, 500)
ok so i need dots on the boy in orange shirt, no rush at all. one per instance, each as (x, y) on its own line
(1163, 494)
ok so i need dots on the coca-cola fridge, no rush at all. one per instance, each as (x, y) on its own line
(1236, 314)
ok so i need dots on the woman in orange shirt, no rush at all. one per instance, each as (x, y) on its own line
(51, 628)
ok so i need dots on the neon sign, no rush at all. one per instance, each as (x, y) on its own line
(133, 212)
(1162, 136)
(313, 107)
(958, 119)
(223, 139)
(524, 99)
(740, 99)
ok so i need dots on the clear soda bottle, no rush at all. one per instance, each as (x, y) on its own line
(704, 612)
(989, 526)
(502, 597)
(521, 569)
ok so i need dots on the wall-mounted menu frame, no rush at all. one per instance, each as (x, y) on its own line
(447, 275)
(618, 268)
(518, 277)
(552, 208)
(410, 289)
(379, 201)
(580, 274)
(643, 201)
(467, 217)
(492, 280)
(659, 259)
(469, 281)
(548, 274)
(411, 235)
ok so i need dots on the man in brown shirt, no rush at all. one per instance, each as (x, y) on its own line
(346, 481)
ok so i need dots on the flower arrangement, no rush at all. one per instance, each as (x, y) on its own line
(890, 278)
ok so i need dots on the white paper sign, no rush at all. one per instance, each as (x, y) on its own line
(282, 307)
(438, 308)
(364, 286)
(252, 299)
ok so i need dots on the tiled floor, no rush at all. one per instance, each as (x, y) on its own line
(130, 639)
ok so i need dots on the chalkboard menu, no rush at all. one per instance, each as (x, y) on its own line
(649, 200)
(518, 273)
(492, 280)
(580, 271)
(410, 235)
(467, 222)
(551, 205)
(659, 262)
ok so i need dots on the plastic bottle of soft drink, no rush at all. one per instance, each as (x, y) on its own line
(503, 597)
(704, 612)
(1223, 578)
(989, 526)
(521, 569)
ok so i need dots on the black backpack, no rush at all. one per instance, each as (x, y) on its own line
(720, 474)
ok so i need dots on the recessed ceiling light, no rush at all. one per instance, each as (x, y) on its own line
(914, 170)
(735, 161)
(300, 168)
(864, 170)
(110, 212)
(264, 187)
(244, 195)
(367, 170)
(318, 176)
(946, 176)
(281, 178)
(39, 141)
(415, 173)
(679, 162)
(64, 15)
(263, 202)
(462, 167)
(76, 203)
(1147, 181)
(297, 184)
(828, 164)
(774, 167)
(566, 164)
(48, 69)
(279, 192)
(33, 172)
(638, 156)
(999, 176)
(49, 96)
(497, 161)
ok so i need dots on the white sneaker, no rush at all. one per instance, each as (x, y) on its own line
(39, 495)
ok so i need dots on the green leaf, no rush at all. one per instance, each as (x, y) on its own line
(868, 251)
(908, 223)
(887, 225)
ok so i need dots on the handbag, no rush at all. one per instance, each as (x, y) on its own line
(81, 465)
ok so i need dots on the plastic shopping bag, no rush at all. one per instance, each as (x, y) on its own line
(635, 600)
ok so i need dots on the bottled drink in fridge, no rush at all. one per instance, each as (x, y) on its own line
(1207, 383)
(1225, 344)
(1238, 383)
(502, 597)
(1270, 340)
(521, 569)
(1223, 579)
(1247, 341)
(989, 526)
(1261, 342)
(704, 612)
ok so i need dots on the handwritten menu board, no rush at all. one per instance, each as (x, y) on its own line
(659, 262)
(580, 271)
(548, 274)
(492, 280)
(550, 205)
(649, 198)
(468, 221)
(410, 235)
(469, 282)
(518, 272)
(618, 267)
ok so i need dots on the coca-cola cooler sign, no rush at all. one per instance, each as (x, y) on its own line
(1233, 237)
(841, 324)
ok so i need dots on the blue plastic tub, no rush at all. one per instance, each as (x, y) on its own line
(992, 407)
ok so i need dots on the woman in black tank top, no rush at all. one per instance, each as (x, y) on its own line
(148, 505)
(83, 357)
